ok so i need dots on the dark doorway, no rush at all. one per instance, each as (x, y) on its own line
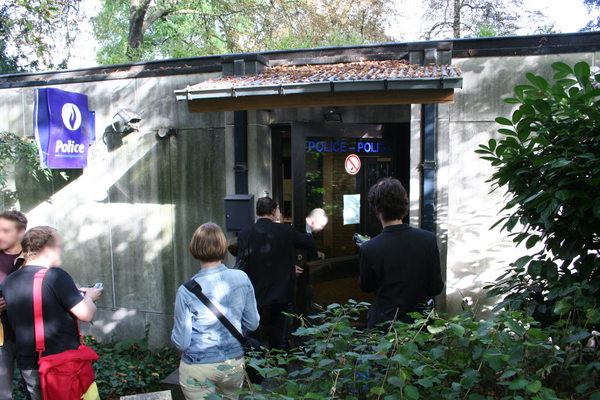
(310, 170)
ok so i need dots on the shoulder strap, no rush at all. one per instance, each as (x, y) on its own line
(196, 289)
(38, 314)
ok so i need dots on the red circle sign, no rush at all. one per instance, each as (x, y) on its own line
(352, 164)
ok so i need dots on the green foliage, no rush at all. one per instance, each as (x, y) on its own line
(479, 18)
(130, 367)
(19, 152)
(507, 357)
(548, 161)
(193, 27)
(36, 34)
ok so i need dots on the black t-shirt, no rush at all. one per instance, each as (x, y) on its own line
(59, 295)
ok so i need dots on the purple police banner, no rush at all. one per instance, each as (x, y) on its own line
(63, 128)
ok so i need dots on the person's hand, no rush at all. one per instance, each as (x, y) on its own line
(2, 304)
(299, 270)
(93, 294)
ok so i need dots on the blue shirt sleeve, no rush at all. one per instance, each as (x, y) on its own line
(250, 316)
(182, 329)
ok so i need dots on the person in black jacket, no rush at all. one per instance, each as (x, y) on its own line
(402, 264)
(266, 252)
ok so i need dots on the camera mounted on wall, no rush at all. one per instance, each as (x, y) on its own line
(126, 121)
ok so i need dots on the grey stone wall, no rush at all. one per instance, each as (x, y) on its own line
(127, 220)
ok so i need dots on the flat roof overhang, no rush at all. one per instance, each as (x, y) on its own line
(322, 94)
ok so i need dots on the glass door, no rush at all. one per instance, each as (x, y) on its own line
(332, 167)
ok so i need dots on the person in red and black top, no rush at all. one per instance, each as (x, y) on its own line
(62, 304)
(12, 228)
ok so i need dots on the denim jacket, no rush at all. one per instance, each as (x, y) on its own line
(197, 332)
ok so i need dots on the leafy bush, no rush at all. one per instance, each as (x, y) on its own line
(548, 161)
(507, 357)
(130, 367)
(20, 152)
(126, 367)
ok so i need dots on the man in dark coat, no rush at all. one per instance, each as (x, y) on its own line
(401, 264)
(266, 252)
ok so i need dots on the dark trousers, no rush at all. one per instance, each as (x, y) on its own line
(274, 326)
(7, 368)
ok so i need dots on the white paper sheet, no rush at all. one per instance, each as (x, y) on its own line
(351, 209)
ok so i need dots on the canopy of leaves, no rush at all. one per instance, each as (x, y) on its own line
(183, 28)
(36, 34)
(548, 161)
(479, 18)
(593, 24)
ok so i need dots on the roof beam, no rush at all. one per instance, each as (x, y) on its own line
(323, 99)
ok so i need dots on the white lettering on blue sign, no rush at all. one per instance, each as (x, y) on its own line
(69, 148)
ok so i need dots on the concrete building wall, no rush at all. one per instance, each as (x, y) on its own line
(127, 220)
(475, 253)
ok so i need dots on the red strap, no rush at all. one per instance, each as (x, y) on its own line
(38, 314)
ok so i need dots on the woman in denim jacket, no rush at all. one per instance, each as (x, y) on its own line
(212, 359)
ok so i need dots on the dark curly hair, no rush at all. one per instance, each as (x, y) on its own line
(17, 217)
(389, 198)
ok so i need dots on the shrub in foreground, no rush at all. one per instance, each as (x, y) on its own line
(507, 357)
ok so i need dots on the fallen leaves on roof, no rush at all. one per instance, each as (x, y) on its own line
(352, 71)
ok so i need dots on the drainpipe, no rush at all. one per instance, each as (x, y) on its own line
(241, 64)
(428, 166)
(240, 153)
(240, 139)
(423, 53)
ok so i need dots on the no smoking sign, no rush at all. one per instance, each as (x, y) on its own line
(352, 164)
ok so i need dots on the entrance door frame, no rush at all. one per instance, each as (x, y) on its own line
(301, 131)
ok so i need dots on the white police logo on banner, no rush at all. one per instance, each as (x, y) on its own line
(71, 116)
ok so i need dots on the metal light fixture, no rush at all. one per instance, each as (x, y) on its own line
(333, 115)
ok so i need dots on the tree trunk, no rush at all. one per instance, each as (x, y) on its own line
(456, 19)
(137, 15)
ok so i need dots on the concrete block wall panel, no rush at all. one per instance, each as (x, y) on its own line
(415, 161)
(259, 155)
(442, 190)
(11, 119)
(475, 254)
(488, 80)
(198, 183)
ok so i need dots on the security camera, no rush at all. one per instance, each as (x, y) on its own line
(126, 121)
